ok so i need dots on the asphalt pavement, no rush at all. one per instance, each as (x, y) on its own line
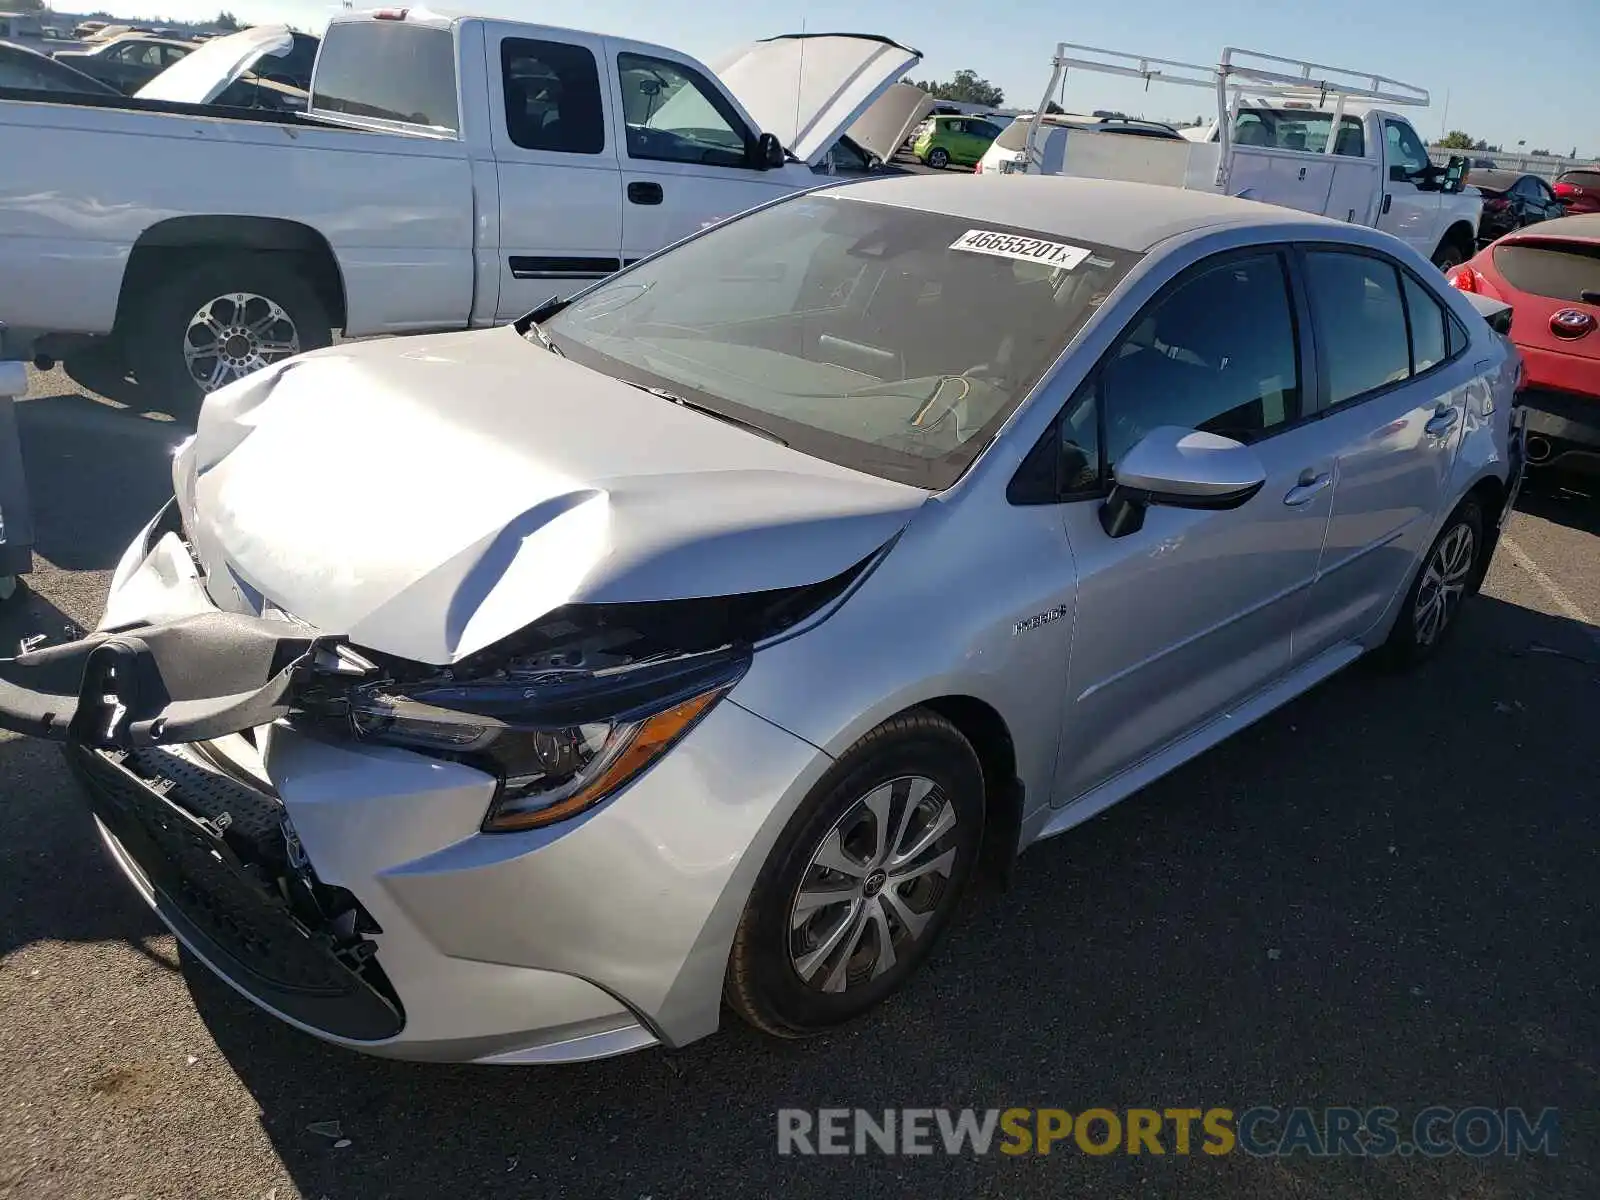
(1384, 894)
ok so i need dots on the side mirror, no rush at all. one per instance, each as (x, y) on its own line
(1455, 175)
(1180, 468)
(769, 153)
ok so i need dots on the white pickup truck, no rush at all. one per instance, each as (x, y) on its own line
(451, 172)
(1273, 140)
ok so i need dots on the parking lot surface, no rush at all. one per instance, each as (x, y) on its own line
(1385, 894)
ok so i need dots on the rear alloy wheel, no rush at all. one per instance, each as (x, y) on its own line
(938, 158)
(1447, 575)
(862, 881)
(222, 320)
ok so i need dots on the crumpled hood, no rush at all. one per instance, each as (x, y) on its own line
(429, 496)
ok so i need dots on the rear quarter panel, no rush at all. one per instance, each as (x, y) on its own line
(97, 178)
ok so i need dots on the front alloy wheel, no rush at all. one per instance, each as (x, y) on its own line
(862, 880)
(873, 885)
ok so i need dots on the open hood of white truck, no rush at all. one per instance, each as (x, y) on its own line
(201, 77)
(807, 89)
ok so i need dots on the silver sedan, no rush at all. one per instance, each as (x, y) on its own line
(522, 695)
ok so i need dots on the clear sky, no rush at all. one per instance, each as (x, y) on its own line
(1520, 71)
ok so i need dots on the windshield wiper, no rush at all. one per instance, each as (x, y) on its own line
(528, 324)
(696, 406)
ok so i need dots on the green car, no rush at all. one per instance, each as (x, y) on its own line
(943, 140)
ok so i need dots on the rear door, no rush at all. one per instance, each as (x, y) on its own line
(1395, 376)
(556, 155)
(686, 152)
(1409, 212)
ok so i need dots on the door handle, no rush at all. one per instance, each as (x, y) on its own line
(1386, 199)
(644, 191)
(1309, 487)
(1442, 422)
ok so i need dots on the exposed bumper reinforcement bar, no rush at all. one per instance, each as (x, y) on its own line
(187, 680)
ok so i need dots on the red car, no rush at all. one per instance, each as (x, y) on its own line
(1549, 274)
(1578, 190)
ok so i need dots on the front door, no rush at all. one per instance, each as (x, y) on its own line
(560, 186)
(1183, 619)
(1409, 211)
(685, 150)
(1396, 371)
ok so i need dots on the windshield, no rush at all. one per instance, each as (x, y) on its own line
(883, 339)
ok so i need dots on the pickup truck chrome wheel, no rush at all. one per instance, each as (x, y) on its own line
(862, 880)
(235, 334)
(1444, 581)
(873, 884)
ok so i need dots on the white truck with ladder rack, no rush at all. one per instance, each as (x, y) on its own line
(1300, 134)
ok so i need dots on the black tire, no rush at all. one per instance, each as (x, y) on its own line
(1451, 254)
(938, 158)
(1412, 641)
(162, 317)
(763, 984)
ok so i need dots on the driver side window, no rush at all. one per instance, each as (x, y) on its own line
(1216, 353)
(675, 115)
(1407, 155)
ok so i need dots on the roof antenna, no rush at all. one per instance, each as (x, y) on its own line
(800, 77)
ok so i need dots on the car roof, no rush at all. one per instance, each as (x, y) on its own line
(1127, 216)
(1583, 228)
(1492, 178)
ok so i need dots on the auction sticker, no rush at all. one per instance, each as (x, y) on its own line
(1009, 245)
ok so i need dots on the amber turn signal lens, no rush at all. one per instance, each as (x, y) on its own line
(649, 740)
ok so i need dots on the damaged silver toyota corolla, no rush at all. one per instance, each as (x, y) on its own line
(522, 695)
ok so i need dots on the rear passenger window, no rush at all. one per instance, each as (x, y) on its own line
(1216, 354)
(1361, 322)
(1429, 346)
(552, 93)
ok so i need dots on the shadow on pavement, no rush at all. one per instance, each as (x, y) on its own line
(96, 474)
(1563, 499)
(1383, 894)
(58, 883)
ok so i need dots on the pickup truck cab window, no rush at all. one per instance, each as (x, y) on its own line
(389, 70)
(1297, 129)
(552, 96)
(674, 115)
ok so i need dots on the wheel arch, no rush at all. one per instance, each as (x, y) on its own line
(1462, 234)
(982, 725)
(169, 245)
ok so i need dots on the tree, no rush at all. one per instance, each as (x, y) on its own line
(965, 88)
(1458, 140)
(1545, 153)
(226, 21)
(1053, 108)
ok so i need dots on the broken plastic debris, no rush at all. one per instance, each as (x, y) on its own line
(1274, 954)
(341, 1143)
(327, 1129)
(192, 1060)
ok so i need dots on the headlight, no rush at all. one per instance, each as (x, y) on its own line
(557, 749)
